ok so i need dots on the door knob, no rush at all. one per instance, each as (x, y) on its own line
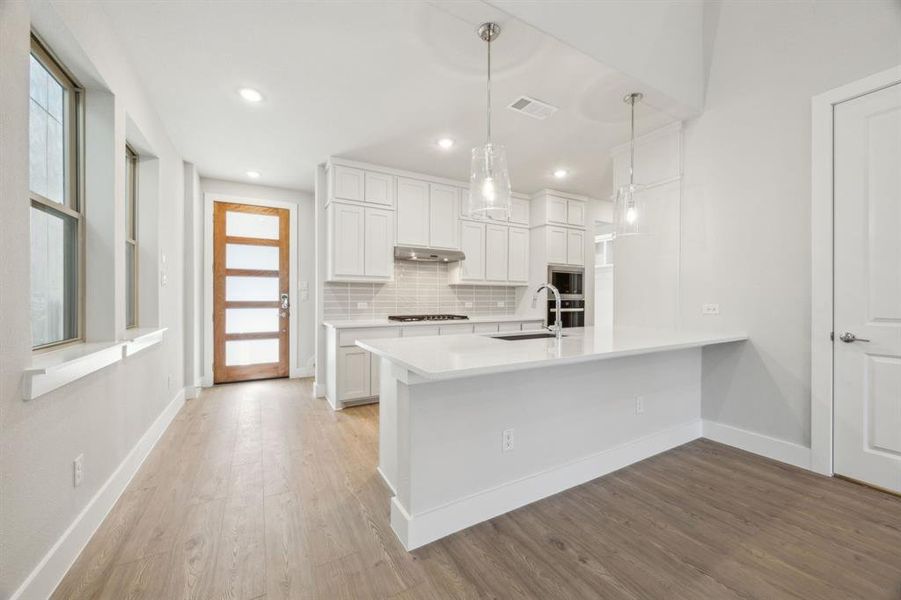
(849, 337)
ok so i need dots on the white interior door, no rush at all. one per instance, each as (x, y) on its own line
(867, 426)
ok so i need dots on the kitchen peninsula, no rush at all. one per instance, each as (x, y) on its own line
(473, 426)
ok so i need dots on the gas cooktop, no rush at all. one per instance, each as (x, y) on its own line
(407, 318)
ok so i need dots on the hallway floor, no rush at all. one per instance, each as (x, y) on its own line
(257, 490)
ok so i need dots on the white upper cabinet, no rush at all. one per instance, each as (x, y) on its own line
(379, 243)
(556, 210)
(472, 243)
(347, 183)
(518, 255)
(379, 188)
(575, 213)
(519, 212)
(412, 212)
(575, 247)
(360, 243)
(556, 245)
(346, 232)
(496, 252)
(443, 230)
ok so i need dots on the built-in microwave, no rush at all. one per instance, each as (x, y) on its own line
(569, 281)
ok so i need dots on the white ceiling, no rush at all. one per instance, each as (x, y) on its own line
(376, 81)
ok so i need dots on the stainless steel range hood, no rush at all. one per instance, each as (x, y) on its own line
(427, 254)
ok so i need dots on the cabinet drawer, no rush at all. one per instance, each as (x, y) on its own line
(455, 328)
(421, 330)
(348, 337)
(532, 325)
(517, 326)
(485, 327)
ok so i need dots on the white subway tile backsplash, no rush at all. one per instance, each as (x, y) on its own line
(417, 288)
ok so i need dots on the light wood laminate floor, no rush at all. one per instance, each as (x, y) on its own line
(258, 490)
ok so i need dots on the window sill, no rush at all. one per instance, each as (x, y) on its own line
(52, 370)
(138, 339)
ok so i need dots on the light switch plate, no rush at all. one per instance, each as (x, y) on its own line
(710, 309)
(362, 305)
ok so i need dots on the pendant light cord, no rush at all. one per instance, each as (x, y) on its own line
(632, 145)
(488, 89)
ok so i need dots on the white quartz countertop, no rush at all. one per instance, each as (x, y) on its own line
(356, 324)
(453, 356)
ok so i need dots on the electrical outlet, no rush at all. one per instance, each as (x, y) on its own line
(168, 382)
(362, 305)
(507, 440)
(710, 309)
(639, 405)
(500, 304)
(78, 470)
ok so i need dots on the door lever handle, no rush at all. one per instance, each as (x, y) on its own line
(849, 337)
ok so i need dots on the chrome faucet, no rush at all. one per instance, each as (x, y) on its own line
(557, 327)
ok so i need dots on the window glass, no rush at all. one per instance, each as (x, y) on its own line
(54, 277)
(47, 137)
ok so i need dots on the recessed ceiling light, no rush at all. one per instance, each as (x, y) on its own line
(253, 174)
(446, 143)
(250, 94)
(561, 173)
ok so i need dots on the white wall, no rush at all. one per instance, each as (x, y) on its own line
(646, 272)
(658, 43)
(193, 280)
(746, 201)
(306, 255)
(104, 415)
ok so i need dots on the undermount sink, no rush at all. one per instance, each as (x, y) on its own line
(528, 336)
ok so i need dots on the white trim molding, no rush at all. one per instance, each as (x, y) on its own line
(293, 210)
(757, 443)
(417, 530)
(42, 581)
(822, 283)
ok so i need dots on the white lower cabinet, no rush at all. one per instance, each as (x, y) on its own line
(354, 373)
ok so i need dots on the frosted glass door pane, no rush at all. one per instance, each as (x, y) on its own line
(243, 256)
(251, 320)
(251, 352)
(251, 225)
(251, 289)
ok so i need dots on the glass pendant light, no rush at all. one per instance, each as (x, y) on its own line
(489, 180)
(629, 213)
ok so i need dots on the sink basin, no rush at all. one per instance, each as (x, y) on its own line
(528, 336)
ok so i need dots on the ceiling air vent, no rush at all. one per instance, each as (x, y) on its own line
(532, 107)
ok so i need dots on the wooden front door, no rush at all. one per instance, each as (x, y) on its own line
(250, 292)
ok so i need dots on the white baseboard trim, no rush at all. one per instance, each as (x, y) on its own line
(192, 391)
(297, 373)
(420, 529)
(764, 445)
(385, 479)
(41, 582)
(318, 389)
